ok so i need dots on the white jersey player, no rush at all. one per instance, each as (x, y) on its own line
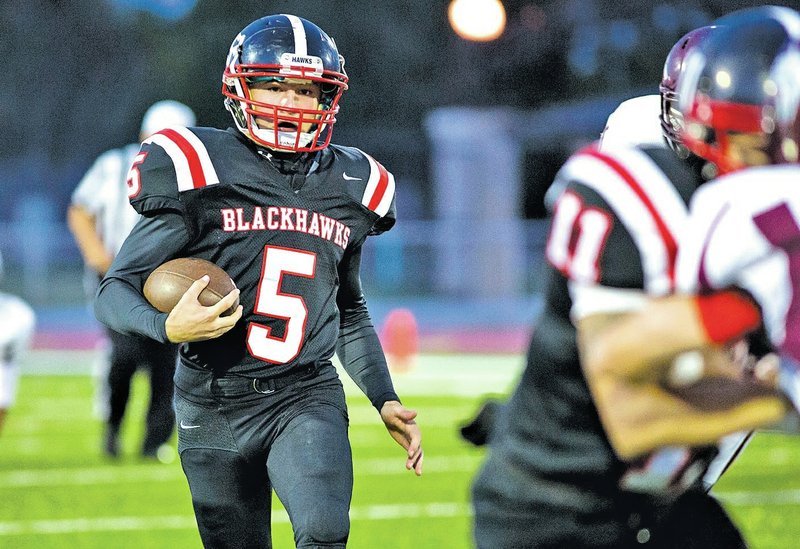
(17, 323)
(744, 232)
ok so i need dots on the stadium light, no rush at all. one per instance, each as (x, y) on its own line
(477, 20)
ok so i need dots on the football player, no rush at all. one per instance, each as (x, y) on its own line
(559, 473)
(17, 324)
(285, 213)
(736, 266)
(655, 120)
(647, 120)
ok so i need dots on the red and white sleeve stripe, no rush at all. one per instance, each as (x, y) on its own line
(193, 166)
(380, 188)
(646, 202)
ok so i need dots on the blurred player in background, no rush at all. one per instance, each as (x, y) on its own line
(571, 462)
(643, 121)
(259, 403)
(17, 323)
(736, 265)
(100, 218)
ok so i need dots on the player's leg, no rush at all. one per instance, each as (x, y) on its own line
(124, 359)
(160, 423)
(696, 520)
(311, 468)
(231, 496)
(100, 368)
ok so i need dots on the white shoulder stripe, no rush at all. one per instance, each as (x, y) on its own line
(193, 166)
(380, 188)
(206, 164)
(657, 186)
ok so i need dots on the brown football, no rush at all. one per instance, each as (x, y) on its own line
(165, 286)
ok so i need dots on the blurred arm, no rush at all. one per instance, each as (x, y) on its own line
(83, 227)
(627, 360)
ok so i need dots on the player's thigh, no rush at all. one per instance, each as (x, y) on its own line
(222, 479)
(310, 462)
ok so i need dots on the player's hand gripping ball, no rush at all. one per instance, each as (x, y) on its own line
(166, 285)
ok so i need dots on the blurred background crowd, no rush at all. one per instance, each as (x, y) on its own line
(473, 131)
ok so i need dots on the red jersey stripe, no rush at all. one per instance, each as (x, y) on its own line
(666, 236)
(380, 189)
(192, 157)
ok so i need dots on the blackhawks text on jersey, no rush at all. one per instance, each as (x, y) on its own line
(280, 230)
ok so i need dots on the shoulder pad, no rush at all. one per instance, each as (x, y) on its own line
(371, 184)
(634, 122)
(626, 186)
(169, 162)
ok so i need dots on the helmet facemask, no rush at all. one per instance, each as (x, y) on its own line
(287, 123)
(714, 127)
(284, 48)
(671, 117)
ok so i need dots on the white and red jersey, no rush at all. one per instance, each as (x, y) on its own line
(744, 231)
(612, 244)
(616, 224)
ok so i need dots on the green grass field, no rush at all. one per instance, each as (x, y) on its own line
(57, 491)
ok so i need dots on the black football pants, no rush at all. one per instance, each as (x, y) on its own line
(236, 445)
(128, 353)
(513, 509)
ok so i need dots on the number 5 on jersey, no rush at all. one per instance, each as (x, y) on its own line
(272, 302)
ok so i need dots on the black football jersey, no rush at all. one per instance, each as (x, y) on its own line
(280, 230)
(615, 225)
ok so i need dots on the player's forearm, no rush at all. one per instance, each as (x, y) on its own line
(122, 308)
(83, 227)
(358, 347)
(360, 352)
(628, 360)
(642, 418)
(120, 303)
(642, 345)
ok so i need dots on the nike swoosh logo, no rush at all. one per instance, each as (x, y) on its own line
(349, 178)
(184, 426)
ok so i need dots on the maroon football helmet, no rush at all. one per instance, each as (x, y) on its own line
(671, 118)
(744, 80)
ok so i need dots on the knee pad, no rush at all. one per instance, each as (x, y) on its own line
(322, 528)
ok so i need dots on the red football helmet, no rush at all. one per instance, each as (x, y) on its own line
(743, 80)
(279, 47)
(671, 118)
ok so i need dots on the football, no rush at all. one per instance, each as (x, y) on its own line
(165, 285)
